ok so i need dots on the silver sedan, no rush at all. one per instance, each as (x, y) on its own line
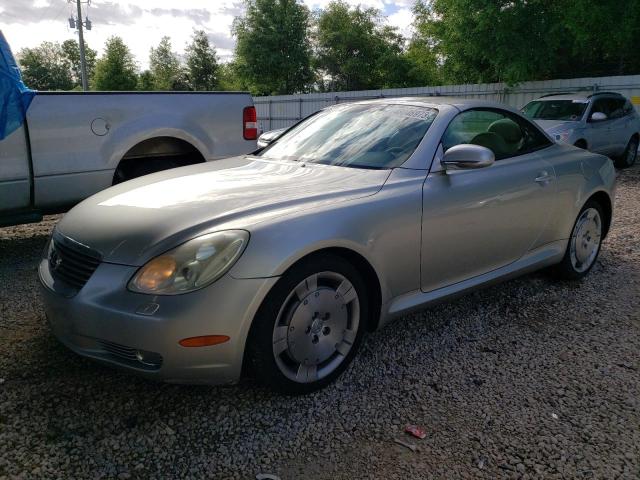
(279, 262)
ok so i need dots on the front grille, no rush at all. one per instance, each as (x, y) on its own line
(71, 264)
(132, 356)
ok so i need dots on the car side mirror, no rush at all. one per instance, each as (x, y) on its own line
(598, 117)
(467, 156)
(269, 137)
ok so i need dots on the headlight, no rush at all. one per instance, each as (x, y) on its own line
(192, 265)
(563, 136)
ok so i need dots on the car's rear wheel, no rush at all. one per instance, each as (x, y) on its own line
(310, 326)
(628, 158)
(584, 244)
(581, 144)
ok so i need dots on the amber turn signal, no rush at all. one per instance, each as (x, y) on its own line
(204, 341)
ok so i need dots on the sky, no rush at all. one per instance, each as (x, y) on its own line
(142, 23)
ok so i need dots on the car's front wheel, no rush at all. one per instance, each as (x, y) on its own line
(584, 243)
(310, 325)
(628, 158)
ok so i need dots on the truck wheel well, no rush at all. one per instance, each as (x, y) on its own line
(155, 154)
(582, 143)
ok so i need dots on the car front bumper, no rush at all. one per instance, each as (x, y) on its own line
(106, 322)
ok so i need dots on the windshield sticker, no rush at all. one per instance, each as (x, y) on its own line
(412, 112)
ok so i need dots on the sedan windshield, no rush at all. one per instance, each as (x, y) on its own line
(570, 110)
(357, 135)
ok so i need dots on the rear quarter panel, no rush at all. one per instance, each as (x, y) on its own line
(579, 175)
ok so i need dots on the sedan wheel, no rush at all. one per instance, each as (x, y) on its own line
(628, 158)
(309, 326)
(316, 327)
(584, 244)
(585, 241)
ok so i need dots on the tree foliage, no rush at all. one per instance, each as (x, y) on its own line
(356, 50)
(202, 62)
(273, 53)
(116, 69)
(518, 40)
(164, 65)
(71, 50)
(282, 48)
(46, 67)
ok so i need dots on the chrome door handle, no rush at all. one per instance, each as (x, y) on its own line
(544, 177)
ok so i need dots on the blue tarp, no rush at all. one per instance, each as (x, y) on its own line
(15, 97)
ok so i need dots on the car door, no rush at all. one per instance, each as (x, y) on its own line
(617, 126)
(15, 184)
(476, 221)
(598, 132)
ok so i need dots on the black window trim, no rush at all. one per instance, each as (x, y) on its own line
(506, 113)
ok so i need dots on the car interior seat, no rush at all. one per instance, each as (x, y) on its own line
(510, 132)
(493, 142)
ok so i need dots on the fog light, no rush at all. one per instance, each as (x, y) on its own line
(149, 359)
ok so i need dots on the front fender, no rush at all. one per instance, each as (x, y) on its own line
(383, 228)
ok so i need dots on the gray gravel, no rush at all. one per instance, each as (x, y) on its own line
(527, 379)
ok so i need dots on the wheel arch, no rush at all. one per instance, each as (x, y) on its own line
(603, 199)
(366, 269)
(160, 147)
(581, 143)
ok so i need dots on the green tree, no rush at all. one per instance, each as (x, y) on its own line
(604, 35)
(202, 62)
(71, 50)
(355, 50)
(164, 65)
(228, 78)
(46, 67)
(273, 52)
(116, 69)
(145, 81)
(423, 67)
(518, 40)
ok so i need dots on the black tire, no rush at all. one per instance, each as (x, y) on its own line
(628, 158)
(566, 270)
(260, 356)
(581, 144)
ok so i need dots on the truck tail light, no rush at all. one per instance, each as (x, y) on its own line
(250, 123)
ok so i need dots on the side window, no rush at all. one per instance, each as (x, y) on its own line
(506, 134)
(601, 105)
(616, 107)
(628, 108)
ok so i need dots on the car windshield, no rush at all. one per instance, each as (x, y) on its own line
(570, 110)
(356, 135)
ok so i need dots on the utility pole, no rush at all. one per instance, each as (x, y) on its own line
(77, 22)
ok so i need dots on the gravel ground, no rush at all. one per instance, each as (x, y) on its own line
(528, 379)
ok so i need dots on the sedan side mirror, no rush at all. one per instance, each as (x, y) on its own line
(598, 117)
(269, 137)
(467, 156)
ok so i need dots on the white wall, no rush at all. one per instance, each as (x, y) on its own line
(284, 110)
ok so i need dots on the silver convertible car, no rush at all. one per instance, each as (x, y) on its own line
(278, 262)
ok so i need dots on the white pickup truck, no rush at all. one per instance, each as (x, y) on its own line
(69, 145)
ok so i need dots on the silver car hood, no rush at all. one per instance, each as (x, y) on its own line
(134, 221)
